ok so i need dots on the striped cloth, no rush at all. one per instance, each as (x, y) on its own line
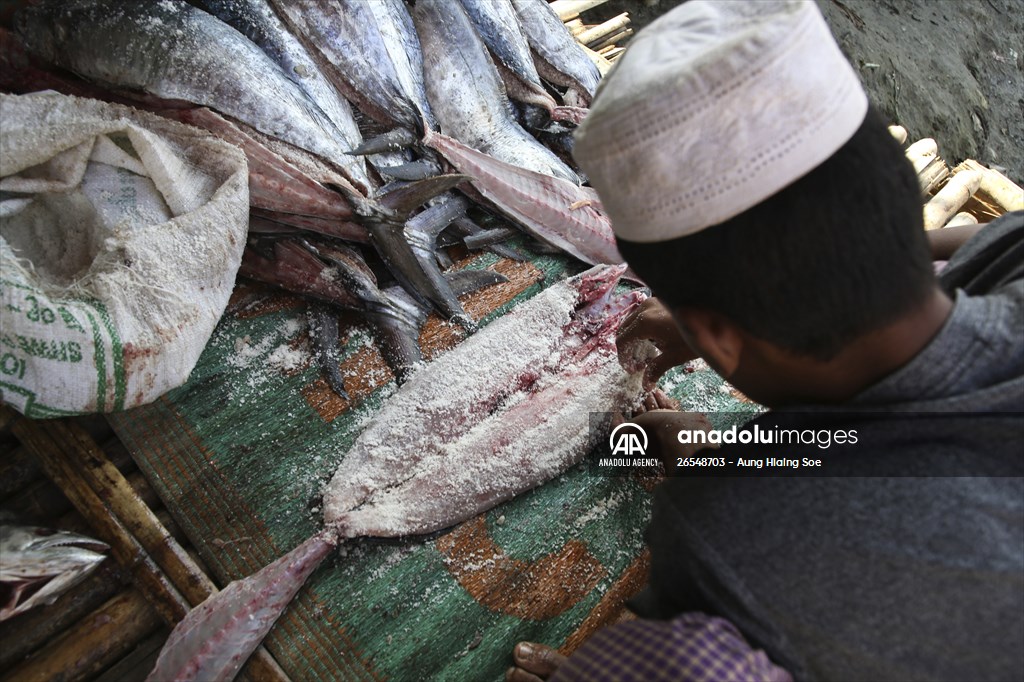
(693, 647)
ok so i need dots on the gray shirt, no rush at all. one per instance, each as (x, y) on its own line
(891, 578)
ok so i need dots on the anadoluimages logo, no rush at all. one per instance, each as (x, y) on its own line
(628, 439)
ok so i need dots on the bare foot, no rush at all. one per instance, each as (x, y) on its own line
(534, 662)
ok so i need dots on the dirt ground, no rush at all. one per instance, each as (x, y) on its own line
(952, 70)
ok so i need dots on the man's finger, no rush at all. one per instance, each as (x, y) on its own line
(537, 659)
(664, 401)
(519, 675)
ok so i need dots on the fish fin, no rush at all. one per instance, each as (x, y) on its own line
(434, 219)
(216, 637)
(404, 199)
(393, 140)
(467, 281)
(323, 330)
(414, 170)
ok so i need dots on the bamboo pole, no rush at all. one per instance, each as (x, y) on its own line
(34, 628)
(576, 26)
(97, 641)
(962, 218)
(570, 9)
(899, 133)
(932, 176)
(922, 153)
(950, 198)
(613, 54)
(610, 27)
(610, 41)
(1007, 194)
(603, 65)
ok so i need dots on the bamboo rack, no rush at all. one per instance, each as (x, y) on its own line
(602, 41)
(120, 615)
(967, 193)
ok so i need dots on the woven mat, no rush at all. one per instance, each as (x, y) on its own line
(240, 456)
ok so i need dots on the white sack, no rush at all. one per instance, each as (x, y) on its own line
(120, 236)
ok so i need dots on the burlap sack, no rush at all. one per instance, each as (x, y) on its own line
(120, 236)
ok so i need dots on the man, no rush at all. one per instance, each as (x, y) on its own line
(764, 202)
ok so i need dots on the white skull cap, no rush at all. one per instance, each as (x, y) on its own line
(712, 109)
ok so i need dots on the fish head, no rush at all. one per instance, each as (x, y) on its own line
(599, 311)
(37, 565)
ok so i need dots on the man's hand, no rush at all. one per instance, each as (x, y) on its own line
(659, 416)
(663, 427)
(652, 322)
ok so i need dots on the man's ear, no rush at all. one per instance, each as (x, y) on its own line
(717, 338)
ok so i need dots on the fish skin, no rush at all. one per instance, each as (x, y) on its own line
(498, 25)
(257, 20)
(373, 49)
(557, 48)
(467, 95)
(430, 458)
(175, 51)
(555, 211)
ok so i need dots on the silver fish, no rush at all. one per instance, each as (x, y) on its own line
(374, 50)
(257, 21)
(464, 434)
(468, 97)
(37, 565)
(498, 25)
(178, 52)
(559, 58)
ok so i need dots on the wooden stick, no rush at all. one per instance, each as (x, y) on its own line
(610, 41)
(950, 198)
(570, 9)
(603, 65)
(33, 629)
(104, 497)
(576, 26)
(613, 54)
(97, 641)
(898, 132)
(1006, 193)
(931, 176)
(610, 27)
(962, 218)
(921, 153)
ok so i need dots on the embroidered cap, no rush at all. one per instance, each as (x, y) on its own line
(713, 108)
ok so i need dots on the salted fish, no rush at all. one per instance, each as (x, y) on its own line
(257, 20)
(178, 52)
(467, 95)
(498, 25)
(506, 411)
(373, 49)
(560, 59)
(503, 412)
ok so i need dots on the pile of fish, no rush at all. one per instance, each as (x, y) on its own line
(463, 435)
(373, 131)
